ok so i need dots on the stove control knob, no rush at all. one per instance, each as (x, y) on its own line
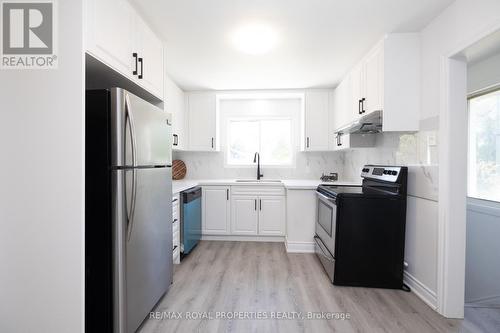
(394, 173)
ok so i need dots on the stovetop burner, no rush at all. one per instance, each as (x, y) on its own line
(377, 181)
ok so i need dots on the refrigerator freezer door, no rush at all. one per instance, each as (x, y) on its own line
(145, 243)
(141, 133)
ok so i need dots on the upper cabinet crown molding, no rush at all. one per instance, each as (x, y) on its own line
(387, 79)
(117, 36)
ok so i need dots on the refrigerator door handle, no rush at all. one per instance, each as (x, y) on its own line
(130, 215)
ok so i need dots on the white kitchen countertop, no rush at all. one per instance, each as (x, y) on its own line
(303, 184)
(182, 185)
(291, 184)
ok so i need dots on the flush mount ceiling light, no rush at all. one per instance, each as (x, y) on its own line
(254, 38)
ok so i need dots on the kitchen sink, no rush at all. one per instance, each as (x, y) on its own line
(258, 181)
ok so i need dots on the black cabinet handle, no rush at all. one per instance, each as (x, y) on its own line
(174, 200)
(174, 248)
(255, 201)
(307, 142)
(142, 68)
(340, 139)
(175, 220)
(360, 107)
(212, 143)
(260, 204)
(135, 57)
(227, 194)
(363, 105)
(176, 140)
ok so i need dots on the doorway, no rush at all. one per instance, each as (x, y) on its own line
(469, 261)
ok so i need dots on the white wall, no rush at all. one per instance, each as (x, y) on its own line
(482, 274)
(447, 33)
(483, 74)
(42, 189)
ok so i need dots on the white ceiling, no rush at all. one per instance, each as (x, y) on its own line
(318, 40)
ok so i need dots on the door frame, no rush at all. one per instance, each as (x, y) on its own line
(452, 166)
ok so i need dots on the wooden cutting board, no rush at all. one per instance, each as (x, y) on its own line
(178, 170)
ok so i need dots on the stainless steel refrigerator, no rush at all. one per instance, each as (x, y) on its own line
(128, 209)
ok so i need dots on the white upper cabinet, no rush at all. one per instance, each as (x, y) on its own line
(388, 80)
(316, 120)
(150, 50)
(202, 121)
(117, 36)
(357, 92)
(174, 103)
(373, 77)
(216, 210)
(342, 108)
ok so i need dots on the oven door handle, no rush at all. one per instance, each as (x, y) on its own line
(325, 253)
(325, 198)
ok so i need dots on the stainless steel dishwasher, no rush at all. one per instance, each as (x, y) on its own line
(190, 219)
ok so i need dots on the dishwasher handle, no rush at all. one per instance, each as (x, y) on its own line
(191, 194)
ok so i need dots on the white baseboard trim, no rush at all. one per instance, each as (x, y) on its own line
(236, 238)
(299, 247)
(421, 290)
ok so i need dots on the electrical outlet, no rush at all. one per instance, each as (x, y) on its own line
(431, 140)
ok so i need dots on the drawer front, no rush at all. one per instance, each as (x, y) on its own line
(258, 190)
(175, 212)
(176, 238)
(175, 227)
(176, 207)
(176, 198)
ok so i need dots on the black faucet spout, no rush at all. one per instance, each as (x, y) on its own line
(256, 159)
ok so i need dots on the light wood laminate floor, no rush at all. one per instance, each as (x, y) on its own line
(261, 277)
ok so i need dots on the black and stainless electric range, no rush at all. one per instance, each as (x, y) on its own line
(360, 230)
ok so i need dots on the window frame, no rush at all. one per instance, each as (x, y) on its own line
(259, 119)
(479, 93)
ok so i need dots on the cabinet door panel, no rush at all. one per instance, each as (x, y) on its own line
(272, 212)
(150, 49)
(374, 81)
(216, 210)
(110, 28)
(244, 215)
(357, 82)
(316, 120)
(202, 121)
(174, 104)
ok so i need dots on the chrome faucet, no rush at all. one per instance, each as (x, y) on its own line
(256, 159)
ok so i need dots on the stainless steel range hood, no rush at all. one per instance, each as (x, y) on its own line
(371, 123)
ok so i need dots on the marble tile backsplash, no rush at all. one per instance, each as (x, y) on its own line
(418, 151)
(309, 165)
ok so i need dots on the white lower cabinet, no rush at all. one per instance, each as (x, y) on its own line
(243, 211)
(258, 215)
(215, 210)
(244, 215)
(272, 214)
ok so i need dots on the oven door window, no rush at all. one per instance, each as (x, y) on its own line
(326, 216)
